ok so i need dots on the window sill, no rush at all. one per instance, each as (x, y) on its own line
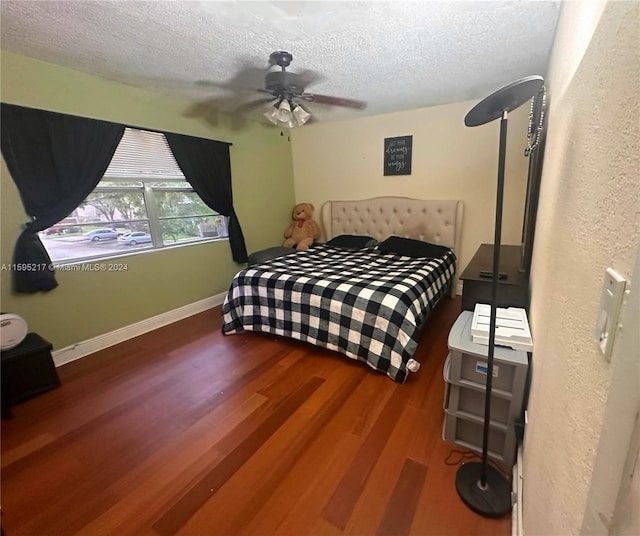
(125, 254)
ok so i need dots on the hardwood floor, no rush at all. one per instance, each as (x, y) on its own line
(186, 431)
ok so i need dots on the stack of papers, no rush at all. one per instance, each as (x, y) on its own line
(512, 327)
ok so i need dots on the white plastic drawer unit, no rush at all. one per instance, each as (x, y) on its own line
(469, 361)
(469, 401)
(465, 377)
(467, 433)
(472, 370)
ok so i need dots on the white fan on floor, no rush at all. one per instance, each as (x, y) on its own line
(13, 330)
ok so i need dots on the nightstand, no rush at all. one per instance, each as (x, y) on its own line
(513, 291)
(27, 370)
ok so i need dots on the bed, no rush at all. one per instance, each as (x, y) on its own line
(365, 303)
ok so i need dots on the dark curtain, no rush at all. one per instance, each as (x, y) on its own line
(56, 160)
(207, 167)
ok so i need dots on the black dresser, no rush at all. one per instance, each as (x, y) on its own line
(513, 290)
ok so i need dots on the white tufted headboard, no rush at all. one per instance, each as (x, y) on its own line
(438, 222)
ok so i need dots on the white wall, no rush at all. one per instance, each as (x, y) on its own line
(588, 219)
(623, 407)
(344, 160)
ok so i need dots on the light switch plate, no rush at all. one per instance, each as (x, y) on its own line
(609, 311)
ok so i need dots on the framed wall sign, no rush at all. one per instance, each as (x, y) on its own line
(397, 155)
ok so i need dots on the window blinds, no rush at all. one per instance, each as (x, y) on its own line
(142, 154)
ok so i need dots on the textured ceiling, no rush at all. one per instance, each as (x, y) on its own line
(393, 55)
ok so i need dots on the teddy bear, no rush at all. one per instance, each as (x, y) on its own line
(303, 229)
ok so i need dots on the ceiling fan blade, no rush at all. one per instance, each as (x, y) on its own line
(247, 107)
(309, 77)
(211, 83)
(247, 77)
(204, 110)
(228, 86)
(334, 101)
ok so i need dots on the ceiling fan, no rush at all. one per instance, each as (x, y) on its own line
(286, 90)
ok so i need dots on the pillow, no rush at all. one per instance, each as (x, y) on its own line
(258, 257)
(411, 248)
(352, 241)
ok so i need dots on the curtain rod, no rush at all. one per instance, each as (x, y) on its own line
(115, 122)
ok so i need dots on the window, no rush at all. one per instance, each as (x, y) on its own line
(143, 202)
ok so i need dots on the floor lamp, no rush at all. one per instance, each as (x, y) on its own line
(480, 486)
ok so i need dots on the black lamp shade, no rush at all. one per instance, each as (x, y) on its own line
(505, 99)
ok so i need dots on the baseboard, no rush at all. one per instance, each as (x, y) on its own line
(84, 348)
(459, 289)
(517, 525)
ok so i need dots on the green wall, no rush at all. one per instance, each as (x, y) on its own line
(87, 304)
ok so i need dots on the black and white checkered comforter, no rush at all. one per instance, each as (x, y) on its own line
(365, 304)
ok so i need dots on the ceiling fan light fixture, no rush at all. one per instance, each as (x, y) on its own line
(284, 111)
(272, 115)
(301, 115)
(287, 114)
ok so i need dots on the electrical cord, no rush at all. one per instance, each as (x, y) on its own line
(466, 455)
